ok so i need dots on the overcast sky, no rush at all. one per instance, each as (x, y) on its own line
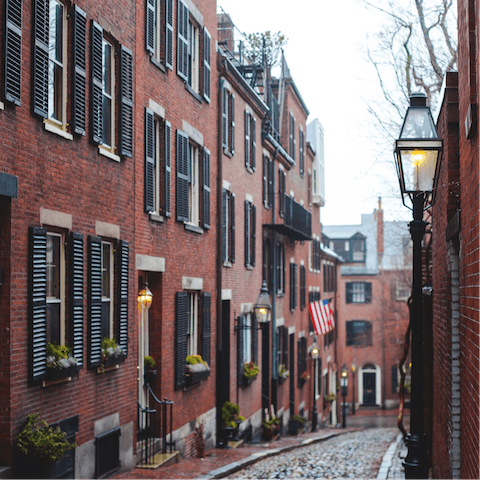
(325, 39)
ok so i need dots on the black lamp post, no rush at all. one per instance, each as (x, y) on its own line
(344, 385)
(416, 153)
(314, 353)
(354, 371)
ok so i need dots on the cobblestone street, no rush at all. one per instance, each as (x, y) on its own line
(352, 455)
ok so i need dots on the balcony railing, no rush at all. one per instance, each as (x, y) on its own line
(297, 220)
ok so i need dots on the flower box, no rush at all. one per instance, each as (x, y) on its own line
(248, 380)
(150, 376)
(112, 360)
(53, 374)
(193, 378)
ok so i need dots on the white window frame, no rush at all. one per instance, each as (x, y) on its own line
(157, 32)
(193, 326)
(61, 298)
(110, 96)
(247, 338)
(358, 292)
(58, 119)
(110, 297)
(193, 55)
(157, 149)
(194, 186)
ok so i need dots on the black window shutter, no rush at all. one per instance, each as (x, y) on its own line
(253, 135)
(37, 293)
(253, 228)
(225, 236)
(168, 169)
(181, 338)
(96, 67)
(271, 173)
(122, 338)
(281, 193)
(247, 138)
(349, 292)
(232, 227)
(285, 347)
(295, 285)
(368, 292)
(279, 267)
(299, 362)
(302, 287)
(79, 70)
(265, 180)
(206, 64)
(150, 27)
(13, 52)
(206, 189)
(254, 338)
(40, 57)
(76, 296)
(247, 233)
(232, 123)
(240, 359)
(304, 353)
(95, 301)
(182, 40)
(126, 102)
(149, 161)
(183, 178)
(224, 118)
(206, 327)
(169, 34)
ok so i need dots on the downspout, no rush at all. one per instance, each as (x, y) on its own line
(336, 327)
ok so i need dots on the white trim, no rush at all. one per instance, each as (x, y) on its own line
(49, 127)
(156, 108)
(280, 322)
(107, 153)
(192, 283)
(226, 185)
(301, 334)
(249, 198)
(192, 133)
(302, 263)
(291, 330)
(55, 219)
(147, 263)
(246, 307)
(226, 293)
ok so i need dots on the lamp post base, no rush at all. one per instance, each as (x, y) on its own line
(416, 463)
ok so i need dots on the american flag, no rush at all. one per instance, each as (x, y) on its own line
(322, 316)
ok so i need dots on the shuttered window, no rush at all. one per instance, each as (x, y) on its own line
(206, 188)
(169, 34)
(293, 142)
(183, 176)
(76, 296)
(207, 69)
(228, 227)
(301, 152)
(301, 359)
(182, 40)
(302, 287)
(126, 102)
(293, 286)
(228, 121)
(250, 140)
(122, 295)
(250, 233)
(281, 269)
(12, 86)
(281, 192)
(193, 61)
(96, 84)
(79, 70)
(359, 333)
(181, 331)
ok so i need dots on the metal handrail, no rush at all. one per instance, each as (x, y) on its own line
(164, 408)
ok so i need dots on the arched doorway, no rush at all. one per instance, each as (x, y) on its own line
(370, 385)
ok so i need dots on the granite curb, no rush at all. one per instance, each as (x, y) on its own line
(391, 467)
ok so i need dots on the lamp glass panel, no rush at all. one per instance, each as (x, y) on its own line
(418, 169)
(418, 124)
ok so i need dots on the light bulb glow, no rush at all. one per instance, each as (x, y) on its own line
(418, 158)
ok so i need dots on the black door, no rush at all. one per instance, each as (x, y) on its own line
(369, 384)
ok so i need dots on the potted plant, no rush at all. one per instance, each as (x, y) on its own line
(250, 372)
(37, 447)
(197, 370)
(60, 362)
(231, 419)
(304, 377)
(270, 424)
(283, 373)
(112, 354)
(296, 424)
(150, 372)
(329, 398)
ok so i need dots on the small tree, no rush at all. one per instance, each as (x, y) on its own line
(268, 44)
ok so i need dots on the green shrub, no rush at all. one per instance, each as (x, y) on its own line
(149, 362)
(230, 413)
(250, 369)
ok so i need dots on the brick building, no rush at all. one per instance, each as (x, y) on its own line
(373, 286)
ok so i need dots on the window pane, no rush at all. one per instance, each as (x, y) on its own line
(106, 267)
(53, 267)
(107, 121)
(247, 339)
(53, 323)
(107, 94)
(55, 67)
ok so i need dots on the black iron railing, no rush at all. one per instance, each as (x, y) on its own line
(150, 428)
(297, 217)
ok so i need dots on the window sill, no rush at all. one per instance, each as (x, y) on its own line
(227, 264)
(228, 153)
(249, 267)
(49, 127)
(193, 228)
(48, 383)
(155, 217)
(159, 65)
(280, 294)
(101, 370)
(250, 170)
(108, 153)
(190, 90)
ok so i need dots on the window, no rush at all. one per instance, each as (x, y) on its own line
(293, 142)
(193, 53)
(183, 24)
(247, 343)
(359, 333)
(250, 140)
(207, 69)
(402, 289)
(228, 227)
(301, 359)
(250, 233)
(282, 349)
(293, 286)
(301, 153)
(191, 189)
(48, 317)
(104, 91)
(193, 330)
(358, 250)
(394, 378)
(247, 338)
(55, 289)
(316, 255)
(153, 29)
(103, 300)
(12, 84)
(329, 276)
(157, 165)
(268, 181)
(228, 121)
(281, 192)
(358, 292)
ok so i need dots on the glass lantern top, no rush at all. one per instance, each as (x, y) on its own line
(418, 121)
